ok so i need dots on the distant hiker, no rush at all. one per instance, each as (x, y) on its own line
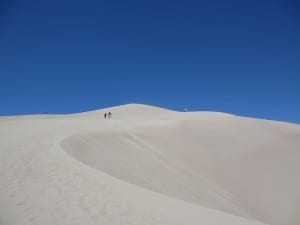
(109, 115)
(104, 115)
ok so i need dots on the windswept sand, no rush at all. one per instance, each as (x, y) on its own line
(148, 165)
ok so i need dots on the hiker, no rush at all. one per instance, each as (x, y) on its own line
(109, 115)
(104, 115)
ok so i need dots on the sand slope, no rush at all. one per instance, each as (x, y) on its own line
(148, 165)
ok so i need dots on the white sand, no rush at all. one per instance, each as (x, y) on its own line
(149, 166)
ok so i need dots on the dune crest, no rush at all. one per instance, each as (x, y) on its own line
(148, 165)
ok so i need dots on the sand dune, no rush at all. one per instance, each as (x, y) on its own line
(148, 165)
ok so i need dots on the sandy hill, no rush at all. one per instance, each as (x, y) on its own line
(148, 165)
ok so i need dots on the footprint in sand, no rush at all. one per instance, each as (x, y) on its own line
(20, 203)
(31, 219)
(12, 195)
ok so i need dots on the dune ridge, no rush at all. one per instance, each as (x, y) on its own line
(148, 165)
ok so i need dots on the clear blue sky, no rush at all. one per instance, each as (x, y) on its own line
(240, 57)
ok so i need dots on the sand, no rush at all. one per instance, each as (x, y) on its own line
(148, 165)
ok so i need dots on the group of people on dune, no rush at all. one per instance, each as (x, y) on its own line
(107, 115)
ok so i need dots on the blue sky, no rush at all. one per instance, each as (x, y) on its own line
(240, 57)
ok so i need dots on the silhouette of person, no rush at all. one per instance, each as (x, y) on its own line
(104, 115)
